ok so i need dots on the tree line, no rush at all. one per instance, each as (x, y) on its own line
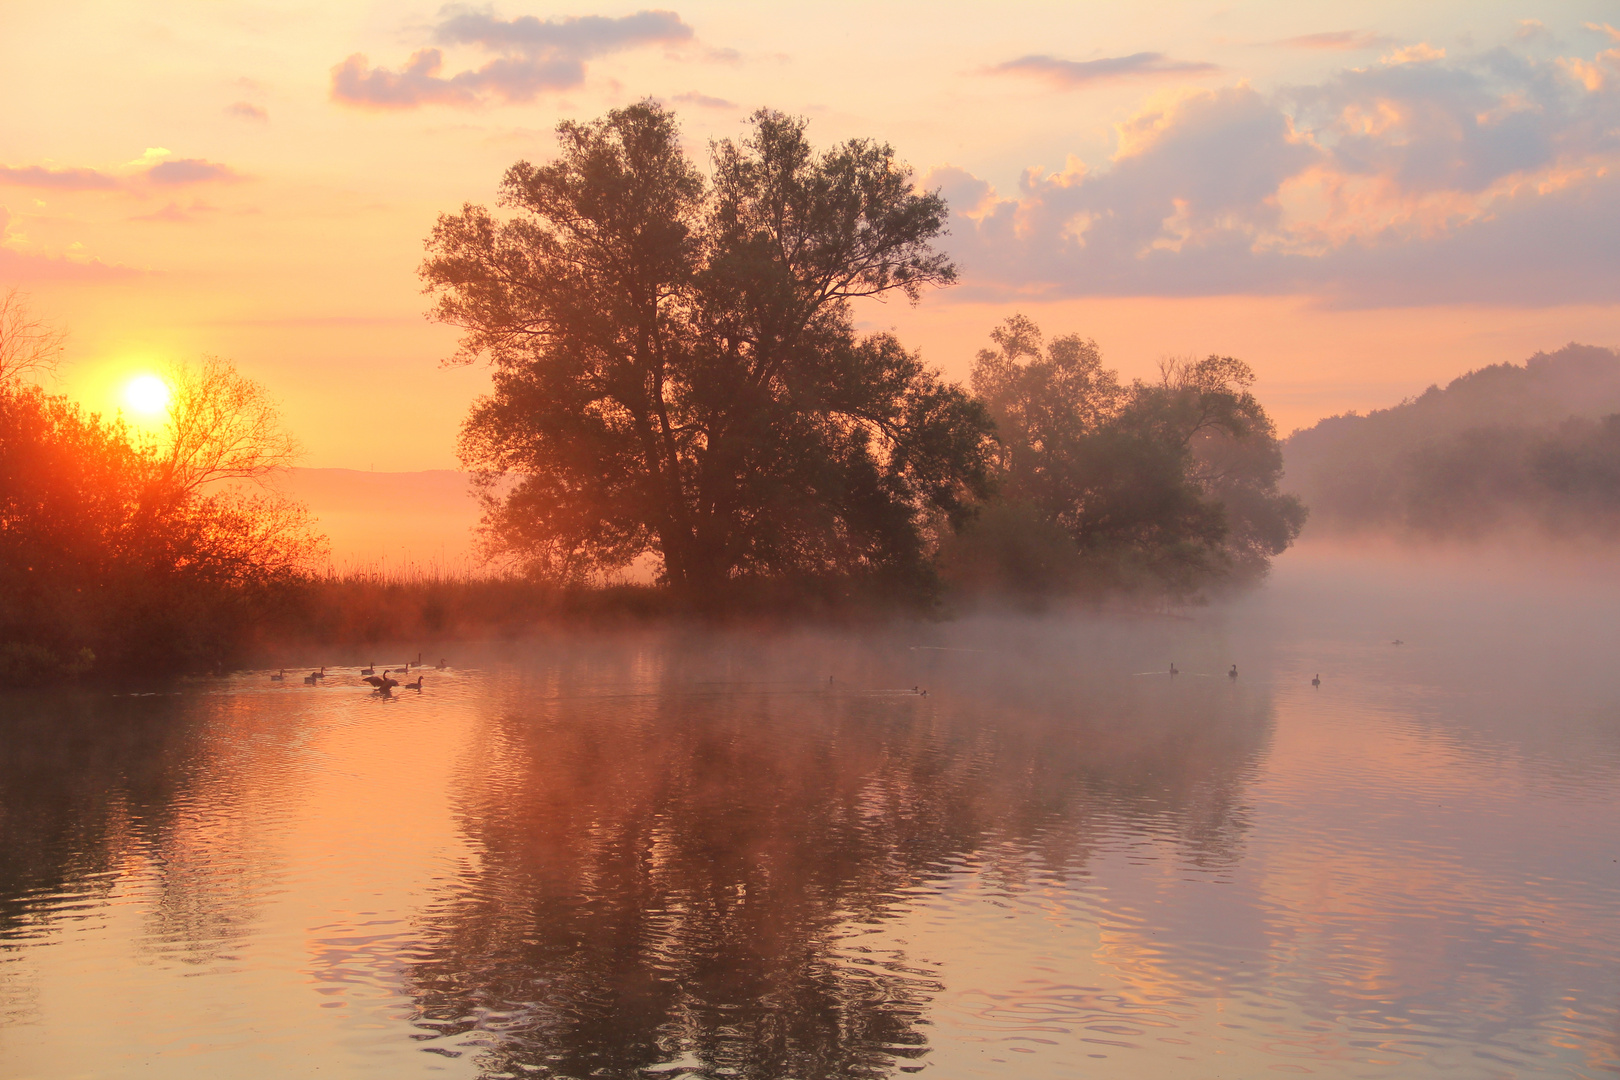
(678, 380)
(679, 385)
(1532, 447)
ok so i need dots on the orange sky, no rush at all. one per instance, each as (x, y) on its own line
(1358, 204)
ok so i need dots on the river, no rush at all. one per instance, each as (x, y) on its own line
(755, 853)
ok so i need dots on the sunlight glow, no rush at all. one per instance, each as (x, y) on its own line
(147, 395)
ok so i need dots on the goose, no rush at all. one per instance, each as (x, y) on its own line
(417, 663)
(442, 665)
(321, 674)
(1397, 641)
(417, 685)
(383, 682)
(1173, 670)
(312, 679)
(279, 676)
(1316, 680)
(369, 669)
(1233, 673)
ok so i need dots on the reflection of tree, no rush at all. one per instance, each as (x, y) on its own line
(95, 789)
(84, 782)
(663, 878)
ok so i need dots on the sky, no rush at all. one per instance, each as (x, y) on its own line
(1359, 200)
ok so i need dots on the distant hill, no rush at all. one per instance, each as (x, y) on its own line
(1508, 446)
(390, 521)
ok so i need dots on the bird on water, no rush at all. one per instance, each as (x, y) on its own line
(1233, 673)
(312, 679)
(369, 669)
(442, 664)
(279, 676)
(417, 685)
(382, 682)
(1316, 680)
(1173, 670)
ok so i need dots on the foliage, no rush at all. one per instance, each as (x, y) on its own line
(117, 553)
(677, 373)
(1505, 447)
(1167, 486)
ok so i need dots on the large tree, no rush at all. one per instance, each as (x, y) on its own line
(676, 367)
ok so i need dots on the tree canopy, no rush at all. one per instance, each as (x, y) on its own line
(677, 372)
(1169, 485)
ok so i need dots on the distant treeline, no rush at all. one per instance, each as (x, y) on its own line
(1508, 447)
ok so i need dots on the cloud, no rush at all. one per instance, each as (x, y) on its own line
(1492, 178)
(40, 176)
(1342, 40)
(704, 101)
(27, 268)
(245, 110)
(532, 56)
(177, 171)
(1073, 73)
(174, 213)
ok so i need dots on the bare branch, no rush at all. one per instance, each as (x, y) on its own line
(29, 346)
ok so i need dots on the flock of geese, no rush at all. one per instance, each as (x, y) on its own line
(384, 683)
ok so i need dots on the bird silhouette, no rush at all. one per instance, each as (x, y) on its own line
(1173, 670)
(442, 665)
(417, 685)
(1233, 673)
(279, 676)
(312, 679)
(382, 682)
(369, 669)
(321, 674)
(1316, 680)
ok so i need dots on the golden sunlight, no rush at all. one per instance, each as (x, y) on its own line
(147, 395)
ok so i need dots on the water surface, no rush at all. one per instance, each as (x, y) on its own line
(764, 855)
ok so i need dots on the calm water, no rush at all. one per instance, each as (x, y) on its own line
(668, 855)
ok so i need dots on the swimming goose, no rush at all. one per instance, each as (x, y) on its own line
(369, 669)
(1316, 680)
(1233, 673)
(279, 676)
(417, 685)
(1173, 670)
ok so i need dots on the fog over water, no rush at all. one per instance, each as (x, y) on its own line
(761, 854)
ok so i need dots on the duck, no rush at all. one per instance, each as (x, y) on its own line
(382, 682)
(279, 676)
(369, 669)
(1316, 680)
(1233, 673)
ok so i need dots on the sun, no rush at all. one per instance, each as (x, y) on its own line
(147, 395)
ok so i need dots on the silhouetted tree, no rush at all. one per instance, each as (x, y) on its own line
(126, 554)
(1103, 486)
(676, 366)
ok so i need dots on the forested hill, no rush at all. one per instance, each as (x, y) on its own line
(1507, 446)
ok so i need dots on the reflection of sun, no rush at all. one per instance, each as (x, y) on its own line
(147, 395)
